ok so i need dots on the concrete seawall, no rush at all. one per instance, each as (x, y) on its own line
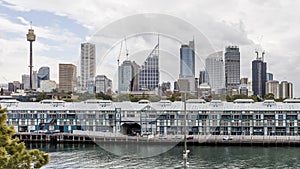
(85, 137)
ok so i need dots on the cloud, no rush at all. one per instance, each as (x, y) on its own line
(25, 22)
(222, 23)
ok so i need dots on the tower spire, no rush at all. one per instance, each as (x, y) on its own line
(30, 38)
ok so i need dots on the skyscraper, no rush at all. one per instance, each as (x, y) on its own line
(232, 68)
(103, 84)
(187, 66)
(215, 72)
(67, 77)
(202, 77)
(43, 74)
(259, 73)
(128, 76)
(286, 90)
(187, 60)
(272, 86)
(34, 80)
(88, 64)
(269, 76)
(26, 81)
(149, 71)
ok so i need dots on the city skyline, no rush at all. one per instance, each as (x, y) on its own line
(58, 38)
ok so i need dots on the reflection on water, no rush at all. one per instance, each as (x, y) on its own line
(93, 156)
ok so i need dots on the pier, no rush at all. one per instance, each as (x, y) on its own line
(88, 137)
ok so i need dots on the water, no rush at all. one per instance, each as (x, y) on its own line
(92, 156)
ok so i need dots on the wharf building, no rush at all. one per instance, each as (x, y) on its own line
(241, 117)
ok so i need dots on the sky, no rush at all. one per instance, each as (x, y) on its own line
(61, 26)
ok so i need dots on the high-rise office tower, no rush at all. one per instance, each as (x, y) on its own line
(202, 77)
(187, 65)
(286, 90)
(15, 85)
(244, 86)
(187, 60)
(103, 84)
(88, 64)
(259, 73)
(43, 74)
(269, 76)
(34, 80)
(26, 81)
(272, 86)
(128, 76)
(149, 71)
(135, 81)
(67, 77)
(215, 72)
(232, 68)
(291, 90)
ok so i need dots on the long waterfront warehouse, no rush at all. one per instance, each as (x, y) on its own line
(241, 117)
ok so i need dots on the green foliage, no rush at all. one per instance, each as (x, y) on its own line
(42, 96)
(13, 153)
(103, 96)
(85, 96)
(269, 96)
(241, 96)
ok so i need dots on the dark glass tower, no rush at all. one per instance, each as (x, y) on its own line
(259, 76)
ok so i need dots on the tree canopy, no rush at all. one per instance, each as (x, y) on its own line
(13, 153)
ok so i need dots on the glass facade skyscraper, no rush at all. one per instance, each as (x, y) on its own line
(149, 71)
(187, 60)
(215, 72)
(43, 74)
(259, 73)
(125, 76)
(187, 67)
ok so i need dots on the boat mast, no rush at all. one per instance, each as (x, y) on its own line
(186, 151)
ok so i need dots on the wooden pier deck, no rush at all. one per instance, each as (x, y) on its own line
(192, 139)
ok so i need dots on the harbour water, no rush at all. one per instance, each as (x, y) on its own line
(93, 156)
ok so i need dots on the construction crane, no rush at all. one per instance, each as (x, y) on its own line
(120, 53)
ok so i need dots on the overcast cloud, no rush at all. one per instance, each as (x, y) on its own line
(62, 25)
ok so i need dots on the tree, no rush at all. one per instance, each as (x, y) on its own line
(13, 153)
(269, 96)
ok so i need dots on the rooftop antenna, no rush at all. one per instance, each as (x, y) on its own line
(158, 42)
(256, 54)
(263, 54)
